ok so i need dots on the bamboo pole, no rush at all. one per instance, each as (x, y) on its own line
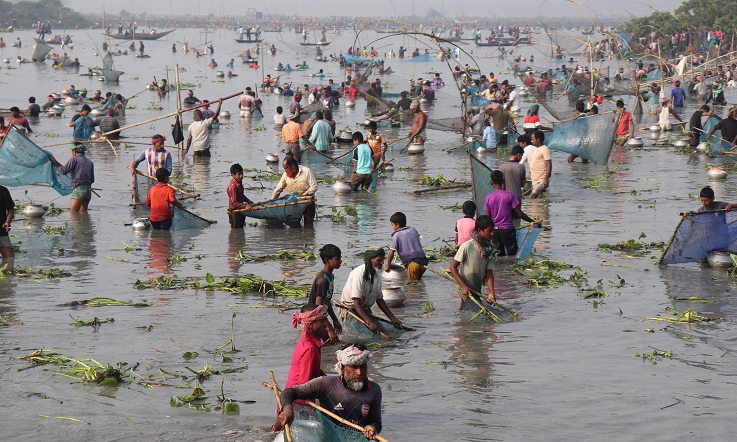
(179, 103)
(112, 147)
(171, 114)
(359, 319)
(271, 206)
(153, 178)
(476, 293)
(275, 387)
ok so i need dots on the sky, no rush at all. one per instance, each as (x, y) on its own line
(381, 8)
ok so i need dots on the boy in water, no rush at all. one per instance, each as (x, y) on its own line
(472, 264)
(708, 203)
(323, 287)
(159, 198)
(466, 225)
(236, 197)
(406, 242)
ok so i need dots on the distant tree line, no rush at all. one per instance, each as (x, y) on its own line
(25, 14)
(697, 15)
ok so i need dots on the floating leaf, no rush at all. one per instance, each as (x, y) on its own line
(190, 355)
(109, 382)
(209, 278)
(231, 408)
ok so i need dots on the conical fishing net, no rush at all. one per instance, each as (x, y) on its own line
(23, 163)
(183, 219)
(588, 137)
(700, 233)
(310, 425)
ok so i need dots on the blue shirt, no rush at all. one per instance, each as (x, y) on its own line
(321, 135)
(489, 137)
(406, 242)
(81, 168)
(363, 158)
(677, 94)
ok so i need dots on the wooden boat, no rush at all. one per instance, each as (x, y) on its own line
(278, 209)
(48, 42)
(140, 36)
(245, 40)
(505, 41)
(323, 43)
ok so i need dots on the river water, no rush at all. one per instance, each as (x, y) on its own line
(565, 370)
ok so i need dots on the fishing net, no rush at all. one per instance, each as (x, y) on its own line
(526, 237)
(700, 233)
(350, 60)
(184, 219)
(141, 186)
(451, 124)
(588, 137)
(310, 425)
(315, 159)
(23, 163)
(717, 146)
(40, 51)
(354, 331)
(426, 57)
(560, 107)
(107, 61)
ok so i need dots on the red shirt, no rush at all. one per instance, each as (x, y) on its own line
(236, 198)
(305, 361)
(352, 93)
(159, 198)
(624, 123)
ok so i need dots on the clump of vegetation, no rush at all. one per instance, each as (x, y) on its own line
(154, 106)
(339, 214)
(284, 255)
(107, 302)
(55, 230)
(441, 254)
(83, 370)
(633, 246)
(603, 181)
(244, 284)
(437, 181)
(51, 273)
(654, 356)
(687, 317)
(94, 322)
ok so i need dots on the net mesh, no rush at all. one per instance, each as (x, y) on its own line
(700, 233)
(40, 51)
(354, 331)
(310, 425)
(588, 137)
(315, 159)
(559, 107)
(717, 146)
(183, 219)
(287, 209)
(481, 180)
(23, 163)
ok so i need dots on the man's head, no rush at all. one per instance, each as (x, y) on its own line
(620, 104)
(85, 110)
(197, 115)
(580, 106)
(398, 220)
(732, 112)
(497, 179)
(353, 366)
(538, 138)
(158, 142)
(331, 256)
(291, 166)
(372, 126)
(78, 148)
(374, 258)
(516, 153)
(314, 320)
(15, 112)
(31, 100)
(50, 98)
(162, 175)
(707, 197)
(319, 115)
(705, 109)
(190, 93)
(206, 104)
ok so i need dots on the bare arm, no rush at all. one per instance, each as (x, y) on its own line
(465, 291)
(363, 315)
(385, 308)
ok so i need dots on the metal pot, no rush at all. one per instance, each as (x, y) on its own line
(346, 135)
(681, 143)
(96, 135)
(34, 211)
(416, 149)
(71, 100)
(97, 113)
(389, 168)
(397, 274)
(350, 104)
(220, 74)
(701, 147)
(225, 114)
(720, 260)
(655, 128)
(56, 96)
(635, 142)
(393, 296)
(342, 187)
(141, 224)
(717, 173)
(272, 158)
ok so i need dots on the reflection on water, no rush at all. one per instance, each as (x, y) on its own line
(83, 233)
(160, 252)
(469, 355)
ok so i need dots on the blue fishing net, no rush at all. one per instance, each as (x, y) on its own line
(588, 137)
(699, 234)
(655, 74)
(354, 331)
(315, 159)
(183, 219)
(716, 145)
(23, 163)
(426, 57)
(310, 425)
(350, 60)
(526, 238)
(652, 101)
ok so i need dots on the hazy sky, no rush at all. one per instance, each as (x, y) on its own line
(380, 8)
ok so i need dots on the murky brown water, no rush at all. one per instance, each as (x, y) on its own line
(566, 370)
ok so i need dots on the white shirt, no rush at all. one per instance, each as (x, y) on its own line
(304, 183)
(199, 132)
(527, 153)
(280, 120)
(357, 287)
(514, 98)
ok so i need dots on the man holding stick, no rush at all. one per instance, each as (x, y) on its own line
(198, 134)
(155, 157)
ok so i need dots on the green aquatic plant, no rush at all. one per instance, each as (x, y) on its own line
(52, 211)
(154, 106)
(603, 181)
(437, 181)
(244, 284)
(440, 254)
(83, 370)
(55, 230)
(654, 355)
(687, 317)
(94, 322)
(632, 246)
(339, 214)
(100, 301)
(17, 270)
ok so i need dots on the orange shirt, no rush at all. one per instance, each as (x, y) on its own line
(159, 198)
(292, 132)
(375, 142)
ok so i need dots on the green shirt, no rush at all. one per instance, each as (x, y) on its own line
(473, 264)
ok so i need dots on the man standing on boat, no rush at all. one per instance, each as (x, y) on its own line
(198, 133)
(363, 289)
(350, 395)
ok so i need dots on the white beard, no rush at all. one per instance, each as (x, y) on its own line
(354, 385)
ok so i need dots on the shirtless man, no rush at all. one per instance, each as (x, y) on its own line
(419, 123)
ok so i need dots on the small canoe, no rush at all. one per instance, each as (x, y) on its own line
(322, 43)
(283, 209)
(140, 36)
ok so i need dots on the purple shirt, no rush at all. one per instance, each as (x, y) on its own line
(406, 242)
(82, 169)
(499, 205)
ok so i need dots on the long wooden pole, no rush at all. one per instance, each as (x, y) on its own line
(171, 114)
(336, 417)
(179, 103)
(275, 387)
(173, 187)
(358, 318)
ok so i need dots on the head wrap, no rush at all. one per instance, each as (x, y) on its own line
(79, 148)
(351, 356)
(308, 318)
(368, 255)
(157, 138)
(534, 108)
